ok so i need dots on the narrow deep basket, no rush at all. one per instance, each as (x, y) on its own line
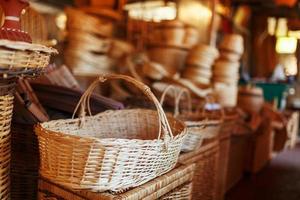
(114, 150)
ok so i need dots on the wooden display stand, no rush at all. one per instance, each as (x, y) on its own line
(239, 146)
(205, 181)
(261, 147)
(155, 189)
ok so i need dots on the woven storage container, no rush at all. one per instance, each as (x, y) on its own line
(261, 147)
(78, 20)
(114, 150)
(161, 187)
(20, 58)
(205, 180)
(195, 124)
(6, 110)
(227, 128)
(24, 162)
(239, 149)
(183, 192)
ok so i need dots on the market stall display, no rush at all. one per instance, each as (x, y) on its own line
(226, 69)
(175, 182)
(119, 130)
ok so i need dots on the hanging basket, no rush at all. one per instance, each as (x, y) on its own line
(114, 150)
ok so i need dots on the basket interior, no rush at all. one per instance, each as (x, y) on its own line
(124, 124)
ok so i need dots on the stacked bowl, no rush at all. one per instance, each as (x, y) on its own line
(226, 69)
(91, 48)
(199, 64)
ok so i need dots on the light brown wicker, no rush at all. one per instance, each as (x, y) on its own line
(23, 56)
(114, 150)
(182, 193)
(78, 20)
(6, 110)
(163, 185)
(230, 119)
(194, 122)
(205, 179)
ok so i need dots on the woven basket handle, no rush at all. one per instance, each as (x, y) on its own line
(177, 98)
(84, 101)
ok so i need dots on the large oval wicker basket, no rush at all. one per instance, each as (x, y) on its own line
(114, 150)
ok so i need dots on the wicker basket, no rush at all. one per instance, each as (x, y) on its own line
(6, 110)
(205, 180)
(24, 162)
(160, 187)
(182, 193)
(195, 124)
(239, 148)
(23, 58)
(78, 20)
(226, 130)
(128, 154)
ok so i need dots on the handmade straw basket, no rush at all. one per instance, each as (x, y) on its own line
(114, 150)
(24, 57)
(78, 20)
(195, 125)
(182, 193)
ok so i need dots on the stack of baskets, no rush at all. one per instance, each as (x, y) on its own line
(199, 64)
(226, 69)
(176, 184)
(91, 49)
(174, 33)
(112, 151)
(16, 59)
(169, 43)
(231, 117)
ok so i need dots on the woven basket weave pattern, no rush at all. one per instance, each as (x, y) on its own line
(23, 59)
(91, 157)
(182, 193)
(6, 108)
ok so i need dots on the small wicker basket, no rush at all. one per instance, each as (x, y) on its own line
(114, 150)
(21, 58)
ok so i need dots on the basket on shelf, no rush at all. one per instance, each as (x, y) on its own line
(193, 121)
(184, 192)
(114, 150)
(205, 180)
(227, 128)
(176, 182)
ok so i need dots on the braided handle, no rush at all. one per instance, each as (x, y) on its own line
(84, 101)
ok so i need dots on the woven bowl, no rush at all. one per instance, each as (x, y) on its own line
(234, 43)
(191, 36)
(251, 99)
(173, 59)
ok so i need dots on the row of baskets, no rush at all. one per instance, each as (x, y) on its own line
(118, 150)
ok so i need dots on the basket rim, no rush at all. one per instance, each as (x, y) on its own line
(59, 135)
(24, 46)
